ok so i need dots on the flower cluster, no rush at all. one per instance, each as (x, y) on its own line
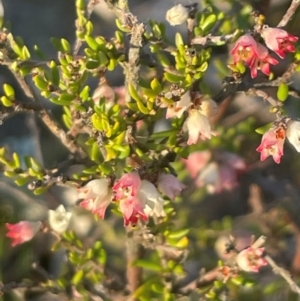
(218, 174)
(273, 140)
(137, 198)
(256, 56)
(200, 109)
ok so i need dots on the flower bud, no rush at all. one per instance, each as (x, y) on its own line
(177, 15)
(22, 231)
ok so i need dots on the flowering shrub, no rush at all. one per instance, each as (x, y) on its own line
(143, 155)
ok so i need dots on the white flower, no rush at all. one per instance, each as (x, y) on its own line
(177, 15)
(59, 219)
(293, 134)
(169, 185)
(208, 107)
(150, 199)
(179, 107)
(198, 126)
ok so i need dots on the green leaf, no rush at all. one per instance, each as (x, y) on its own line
(40, 190)
(148, 265)
(65, 46)
(40, 82)
(91, 43)
(84, 94)
(209, 22)
(9, 92)
(178, 40)
(261, 130)
(6, 102)
(162, 134)
(20, 181)
(77, 278)
(178, 234)
(54, 73)
(173, 78)
(156, 86)
(25, 53)
(283, 92)
(16, 159)
(134, 94)
(95, 152)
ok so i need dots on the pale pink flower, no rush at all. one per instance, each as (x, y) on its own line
(96, 195)
(293, 134)
(169, 185)
(208, 107)
(261, 61)
(198, 127)
(106, 92)
(179, 107)
(22, 231)
(278, 40)
(251, 259)
(196, 162)
(152, 201)
(272, 144)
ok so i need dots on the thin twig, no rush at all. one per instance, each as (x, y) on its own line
(284, 274)
(289, 13)
(213, 40)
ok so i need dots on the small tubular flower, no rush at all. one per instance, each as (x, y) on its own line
(261, 61)
(198, 126)
(251, 259)
(152, 201)
(253, 54)
(96, 195)
(177, 15)
(179, 107)
(278, 40)
(293, 134)
(169, 185)
(59, 219)
(244, 50)
(22, 231)
(272, 144)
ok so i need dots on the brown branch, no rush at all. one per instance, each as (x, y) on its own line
(289, 13)
(213, 40)
(284, 274)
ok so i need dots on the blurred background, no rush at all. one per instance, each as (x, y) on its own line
(264, 198)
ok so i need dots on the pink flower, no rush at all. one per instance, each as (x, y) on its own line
(179, 107)
(96, 195)
(138, 199)
(128, 185)
(169, 185)
(261, 61)
(196, 162)
(272, 144)
(198, 127)
(22, 231)
(251, 259)
(244, 50)
(278, 40)
(253, 54)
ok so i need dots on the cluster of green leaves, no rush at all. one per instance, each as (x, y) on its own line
(87, 264)
(32, 170)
